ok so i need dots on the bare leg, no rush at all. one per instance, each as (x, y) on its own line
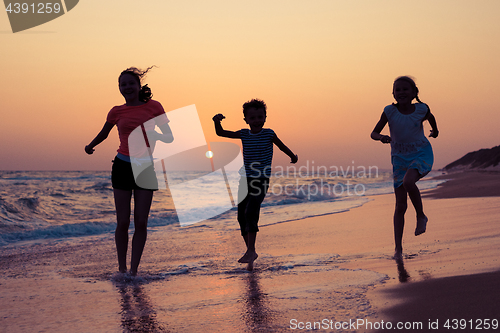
(245, 257)
(252, 255)
(142, 205)
(245, 238)
(122, 204)
(251, 241)
(409, 183)
(399, 219)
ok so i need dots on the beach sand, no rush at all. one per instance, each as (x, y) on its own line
(459, 285)
(328, 269)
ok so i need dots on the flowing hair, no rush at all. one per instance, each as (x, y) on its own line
(145, 93)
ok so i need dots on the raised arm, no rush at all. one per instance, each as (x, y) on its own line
(222, 132)
(378, 128)
(294, 158)
(103, 134)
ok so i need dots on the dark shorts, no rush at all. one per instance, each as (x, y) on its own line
(122, 177)
(249, 207)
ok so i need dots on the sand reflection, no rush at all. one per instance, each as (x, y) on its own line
(257, 315)
(137, 313)
(403, 275)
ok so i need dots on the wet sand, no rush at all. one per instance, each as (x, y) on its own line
(335, 267)
(458, 287)
(466, 303)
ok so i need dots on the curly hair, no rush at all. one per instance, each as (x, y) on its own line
(254, 103)
(145, 93)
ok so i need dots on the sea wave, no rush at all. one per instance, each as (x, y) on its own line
(48, 205)
(43, 231)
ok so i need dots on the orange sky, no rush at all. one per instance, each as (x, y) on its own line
(324, 68)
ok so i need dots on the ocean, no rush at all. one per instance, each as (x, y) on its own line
(41, 205)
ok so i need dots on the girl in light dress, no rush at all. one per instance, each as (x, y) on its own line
(411, 152)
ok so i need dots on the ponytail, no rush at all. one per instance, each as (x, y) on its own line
(418, 100)
(145, 93)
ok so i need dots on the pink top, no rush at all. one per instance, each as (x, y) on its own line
(128, 118)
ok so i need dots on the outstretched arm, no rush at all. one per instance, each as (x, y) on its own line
(103, 134)
(294, 158)
(222, 132)
(433, 123)
(378, 128)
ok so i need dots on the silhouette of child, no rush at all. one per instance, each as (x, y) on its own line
(411, 152)
(138, 108)
(257, 145)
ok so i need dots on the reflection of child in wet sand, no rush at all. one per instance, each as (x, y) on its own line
(411, 152)
(257, 145)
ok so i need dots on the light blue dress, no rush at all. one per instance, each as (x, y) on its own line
(410, 149)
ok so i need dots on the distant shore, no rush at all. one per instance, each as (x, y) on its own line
(466, 184)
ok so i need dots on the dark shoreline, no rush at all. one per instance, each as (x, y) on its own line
(466, 184)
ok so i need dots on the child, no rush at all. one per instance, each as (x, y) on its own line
(411, 152)
(138, 108)
(257, 145)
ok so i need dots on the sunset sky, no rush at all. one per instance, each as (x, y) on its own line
(324, 68)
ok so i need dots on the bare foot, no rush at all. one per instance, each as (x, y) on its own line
(248, 257)
(421, 225)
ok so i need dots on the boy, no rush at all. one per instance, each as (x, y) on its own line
(257, 145)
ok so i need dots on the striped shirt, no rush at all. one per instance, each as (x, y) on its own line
(257, 152)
